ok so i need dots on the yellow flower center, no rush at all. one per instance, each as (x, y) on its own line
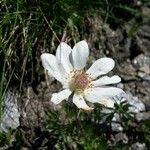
(79, 81)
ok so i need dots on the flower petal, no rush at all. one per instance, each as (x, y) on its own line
(80, 103)
(100, 67)
(50, 63)
(106, 80)
(62, 55)
(58, 97)
(102, 95)
(80, 54)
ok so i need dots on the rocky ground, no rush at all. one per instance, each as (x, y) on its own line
(132, 56)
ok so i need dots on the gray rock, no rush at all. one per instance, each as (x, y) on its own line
(143, 35)
(141, 60)
(127, 71)
(116, 126)
(142, 116)
(142, 64)
(11, 114)
(138, 146)
(136, 106)
(121, 137)
(144, 76)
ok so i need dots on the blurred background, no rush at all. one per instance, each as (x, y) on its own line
(119, 29)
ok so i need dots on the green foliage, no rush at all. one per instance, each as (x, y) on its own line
(142, 132)
(76, 131)
(124, 114)
(120, 146)
(4, 138)
(19, 140)
(71, 128)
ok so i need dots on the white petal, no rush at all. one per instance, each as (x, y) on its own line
(62, 55)
(107, 102)
(102, 95)
(106, 80)
(55, 69)
(58, 97)
(80, 102)
(100, 67)
(80, 54)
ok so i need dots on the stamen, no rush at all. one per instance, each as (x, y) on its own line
(80, 81)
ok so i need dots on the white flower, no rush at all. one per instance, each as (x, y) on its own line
(68, 68)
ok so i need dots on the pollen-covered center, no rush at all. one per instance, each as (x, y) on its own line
(79, 81)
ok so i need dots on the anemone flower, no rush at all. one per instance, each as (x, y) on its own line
(68, 67)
